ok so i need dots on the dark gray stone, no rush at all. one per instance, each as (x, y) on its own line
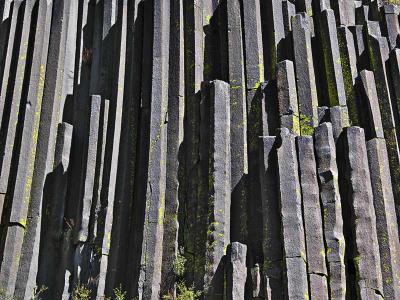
(272, 243)
(372, 122)
(151, 259)
(291, 214)
(237, 271)
(313, 227)
(359, 197)
(287, 96)
(349, 68)
(386, 222)
(219, 174)
(331, 206)
(333, 68)
(239, 159)
(307, 90)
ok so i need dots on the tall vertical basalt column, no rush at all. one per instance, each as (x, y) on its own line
(305, 77)
(254, 70)
(51, 87)
(8, 66)
(332, 209)
(216, 139)
(272, 242)
(332, 61)
(12, 99)
(151, 254)
(52, 239)
(273, 35)
(362, 241)
(24, 208)
(348, 60)
(378, 58)
(110, 196)
(176, 107)
(386, 223)
(82, 233)
(294, 248)
(316, 253)
(194, 60)
(239, 158)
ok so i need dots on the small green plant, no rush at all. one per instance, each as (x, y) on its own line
(179, 263)
(81, 292)
(187, 293)
(38, 291)
(183, 293)
(119, 293)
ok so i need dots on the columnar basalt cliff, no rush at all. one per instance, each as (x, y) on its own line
(199, 149)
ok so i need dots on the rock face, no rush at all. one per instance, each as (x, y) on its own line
(199, 149)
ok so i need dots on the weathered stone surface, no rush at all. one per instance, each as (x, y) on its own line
(332, 209)
(305, 77)
(313, 228)
(348, 60)
(392, 27)
(55, 187)
(219, 174)
(386, 223)
(272, 24)
(253, 44)
(333, 68)
(237, 271)
(364, 249)
(291, 214)
(272, 243)
(369, 98)
(197, 90)
(339, 117)
(239, 158)
(287, 97)
(151, 256)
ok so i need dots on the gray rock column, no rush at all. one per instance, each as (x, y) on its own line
(313, 226)
(305, 77)
(364, 247)
(151, 257)
(272, 243)
(332, 210)
(237, 271)
(292, 219)
(218, 188)
(386, 222)
(239, 158)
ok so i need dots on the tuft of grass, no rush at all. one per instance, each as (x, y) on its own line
(179, 263)
(81, 292)
(183, 293)
(119, 293)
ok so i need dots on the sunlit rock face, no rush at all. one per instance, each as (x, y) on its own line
(199, 149)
